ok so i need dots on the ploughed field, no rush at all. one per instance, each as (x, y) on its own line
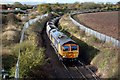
(103, 22)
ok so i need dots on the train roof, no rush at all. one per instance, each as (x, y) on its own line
(61, 37)
(50, 23)
(53, 27)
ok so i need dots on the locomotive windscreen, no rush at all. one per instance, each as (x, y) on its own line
(66, 48)
(73, 48)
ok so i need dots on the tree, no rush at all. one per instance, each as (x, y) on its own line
(90, 5)
(18, 5)
(76, 5)
(118, 3)
(44, 8)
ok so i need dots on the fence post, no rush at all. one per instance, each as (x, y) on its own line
(102, 37)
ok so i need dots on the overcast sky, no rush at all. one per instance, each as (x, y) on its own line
(54, 1)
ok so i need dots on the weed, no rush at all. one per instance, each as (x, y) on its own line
(95, 40)
(105, 58)
(30, 56)
(82, 33)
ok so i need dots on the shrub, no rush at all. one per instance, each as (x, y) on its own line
(30, 57)
(82, 33)
(10, 37)
(11, 18)
(95, 40)
(33, 16)
(8, 61)
(37, 27)
(3, 18)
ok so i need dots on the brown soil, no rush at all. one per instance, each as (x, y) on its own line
(103, 22)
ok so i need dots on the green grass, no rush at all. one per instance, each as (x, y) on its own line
(107, 61)
(8, 61)
(30, 57)
(31, 52)
(94, 39)
(103, 55)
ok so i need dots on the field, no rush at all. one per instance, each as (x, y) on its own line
(92, 51)
(103, 22)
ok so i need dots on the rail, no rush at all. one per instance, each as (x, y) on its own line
(68, 71)
(76, 69)
(80, 72)
(93, 74)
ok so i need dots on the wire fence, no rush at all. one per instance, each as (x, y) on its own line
(26, 25)
(98, 35)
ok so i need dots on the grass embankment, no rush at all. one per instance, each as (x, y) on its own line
(32, 57)
(92, 50)
(11, 27)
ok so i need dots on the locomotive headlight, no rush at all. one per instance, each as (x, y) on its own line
(64, 56)
(75, 55)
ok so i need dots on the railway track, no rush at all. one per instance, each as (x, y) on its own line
(80, 72)
(95, 77)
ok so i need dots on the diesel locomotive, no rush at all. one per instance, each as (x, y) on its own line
(67, 49)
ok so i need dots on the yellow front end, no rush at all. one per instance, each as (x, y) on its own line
(70, 54)
(69, 51)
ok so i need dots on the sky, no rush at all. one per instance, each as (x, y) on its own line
(54, 1)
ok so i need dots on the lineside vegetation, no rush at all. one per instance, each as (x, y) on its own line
(92, 50)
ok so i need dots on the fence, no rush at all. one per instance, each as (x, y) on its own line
(26, 25)
(100, 36)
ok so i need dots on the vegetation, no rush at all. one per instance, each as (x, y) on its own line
(32, 57)
(11, 27)
(108, 65)
(102, 55)
(42, 8)
(103, 22)
(65, 8)
(93, 39)
(17, 4)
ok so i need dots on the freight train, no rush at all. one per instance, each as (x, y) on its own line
(66, 48)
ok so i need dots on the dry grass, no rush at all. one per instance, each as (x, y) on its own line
(103, 22)
(65, 22)
(10, 37)
(106, 59)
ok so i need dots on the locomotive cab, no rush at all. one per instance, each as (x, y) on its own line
(70, 51)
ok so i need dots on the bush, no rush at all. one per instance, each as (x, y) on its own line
(11, 18)
(37, 27)
(8, 61)
(10, 37)
(95, 40)
(82, 33)
(107, 62)
(33, 16)
(3, 18)
(30, 57)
